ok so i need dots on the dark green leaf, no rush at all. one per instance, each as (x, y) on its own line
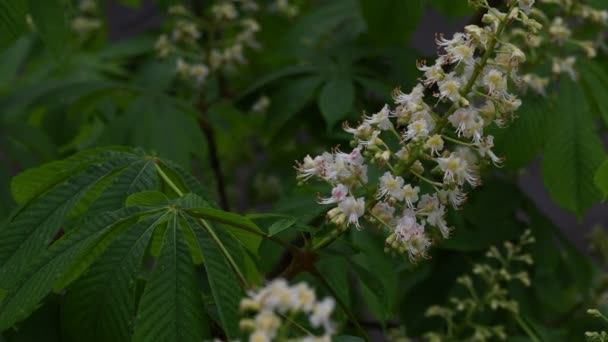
(12, 20)
(100, 305)
(281, 225)
(171, 307)
(601, 178)
(224, 285)
(336, 98)
(573, 152)
(392, 21)
(50, 21)
(31, 284)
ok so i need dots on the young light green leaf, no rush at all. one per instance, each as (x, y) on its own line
(336, 99)
(171, 307)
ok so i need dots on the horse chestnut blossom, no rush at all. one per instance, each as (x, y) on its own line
(568, 38)
(278, 300)
(428, 152)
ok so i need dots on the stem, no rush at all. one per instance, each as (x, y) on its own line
(280, 242)
(456, 141)
(526, 328)
(214, 160)
(227, 255)
(478, 69)
(208, 228)
(168, 180)
(342, 305)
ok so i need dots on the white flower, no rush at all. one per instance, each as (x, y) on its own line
(559, 30)
(353, 209)
(418, 128)
(381, 119)
(406, 226)
(418, 245)
(435, 144)
(259, 336)
(485, 148)
(467, 122)
(456, 170)
(315, 167)
(495, 82)
(411, 194)
(432, 74)
(454, 196)
(391, 186)
(565, 65)
(338, 193)
(322, 312)
(304, 297)
(267, 321)
(225, 10)
(526, 5)
(383, 211)
(199, 72)
(449, 88)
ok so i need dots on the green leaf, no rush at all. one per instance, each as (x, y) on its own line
(100, 305)
(450, 8)
(155, 123)
(171, 307)
(281, 225)
(225, 217)
(50, 21)
(594, 79)
(275, 75)
(31, 229)
(573, 152)
(34, 182)
(292, 98)
(601, 178)
(147, 199)
(336, 98)
(31, 284)
(12, 20)
(391, 21)
(521, 142)
(347, 338)
(224, 285)
(11, 59)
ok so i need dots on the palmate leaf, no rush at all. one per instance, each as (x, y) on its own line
(111, 212)
(171, 308)
(573, 152)
(32, 284)
(224, 285)
(100, 306)
(31, 229)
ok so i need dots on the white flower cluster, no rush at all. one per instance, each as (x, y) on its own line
(278, 301)
(87, 19)
(219, 44)
(562, 32)
(440, 144)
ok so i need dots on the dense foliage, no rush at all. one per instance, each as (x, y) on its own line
(148, 190)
